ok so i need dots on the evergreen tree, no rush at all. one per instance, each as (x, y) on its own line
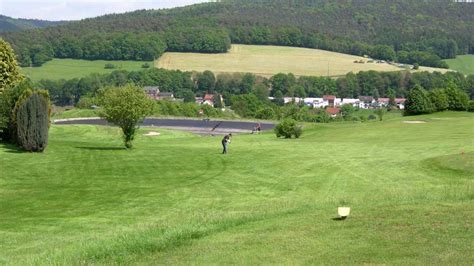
(31, 116)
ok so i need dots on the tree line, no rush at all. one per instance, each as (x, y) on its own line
(188, 85)
(414, 32)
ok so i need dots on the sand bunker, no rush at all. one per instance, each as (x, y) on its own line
(414, 122)
(152, 134)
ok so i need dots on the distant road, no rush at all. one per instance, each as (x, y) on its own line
(196, 126)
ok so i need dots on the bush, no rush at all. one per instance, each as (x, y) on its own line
(355, 118)
(32, 113)
(363, 118)
(323, 117)
(86, 102)
(470, 107)
(288, 128)
(146, 65)
(371, 117)
(109, 66)
(380, 113)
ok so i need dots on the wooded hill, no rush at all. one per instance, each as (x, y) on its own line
(17, 24)
(422, 32)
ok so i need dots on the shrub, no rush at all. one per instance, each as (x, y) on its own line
(363, 118)
(323, 117)
(31, 116)
(355, 119)
(470, 107)
(86, 102)
(146, 65)
(109, 66)
(371, 117)
(380, 113)
(346, 111)
(288, 128)
(265, 113)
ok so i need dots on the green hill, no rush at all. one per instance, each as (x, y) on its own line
(57, 69)
(18, 24)
(420, 32)
(462, 63)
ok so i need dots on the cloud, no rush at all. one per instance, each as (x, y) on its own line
(79, 9)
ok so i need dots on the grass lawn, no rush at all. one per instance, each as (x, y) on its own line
(175, 199)
(462, 63)
(75, 68)
(267, 60)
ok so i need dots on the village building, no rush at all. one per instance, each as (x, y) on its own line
(333, 111)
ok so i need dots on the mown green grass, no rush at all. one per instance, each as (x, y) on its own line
(175, 199)
(462, 63)
(57, 69)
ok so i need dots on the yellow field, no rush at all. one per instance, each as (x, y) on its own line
(266, 61)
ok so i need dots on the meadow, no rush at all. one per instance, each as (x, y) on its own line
(462, 63)
(57, 69)
(175, 199)
(267, 60)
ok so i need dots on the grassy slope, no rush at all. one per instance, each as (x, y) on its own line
(74, 68)
(175, 199)
(462, 63)
(266, 60)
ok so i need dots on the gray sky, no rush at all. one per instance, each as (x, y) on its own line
(79, 9)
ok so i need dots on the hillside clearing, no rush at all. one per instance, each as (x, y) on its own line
(269, 60)
(57, 69)
(175, 199)
(462, 63)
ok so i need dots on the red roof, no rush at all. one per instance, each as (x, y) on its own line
(329, 97)
(383, 100)
(400, 100)
(333, 110)
(208, 97)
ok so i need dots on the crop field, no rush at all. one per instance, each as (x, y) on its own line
(174, 199)
(462, 63)
(269, 60)
(57, 69)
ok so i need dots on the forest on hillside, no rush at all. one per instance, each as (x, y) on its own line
(421, 32)
(18, 24)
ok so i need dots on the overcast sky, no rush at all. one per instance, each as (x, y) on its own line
(78, 9)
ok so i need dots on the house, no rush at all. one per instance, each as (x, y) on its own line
(152, 91)
(333, 111)
(314, 102)
(165, 96)
(199, 100)
(330, 100)
(366, 102)
(400, 102)
(210, 99)
(353, 102)
(383, 102)
(292, 99)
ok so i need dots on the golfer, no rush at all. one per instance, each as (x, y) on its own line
(225, 142)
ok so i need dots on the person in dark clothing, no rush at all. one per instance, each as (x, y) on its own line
(225, 143)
